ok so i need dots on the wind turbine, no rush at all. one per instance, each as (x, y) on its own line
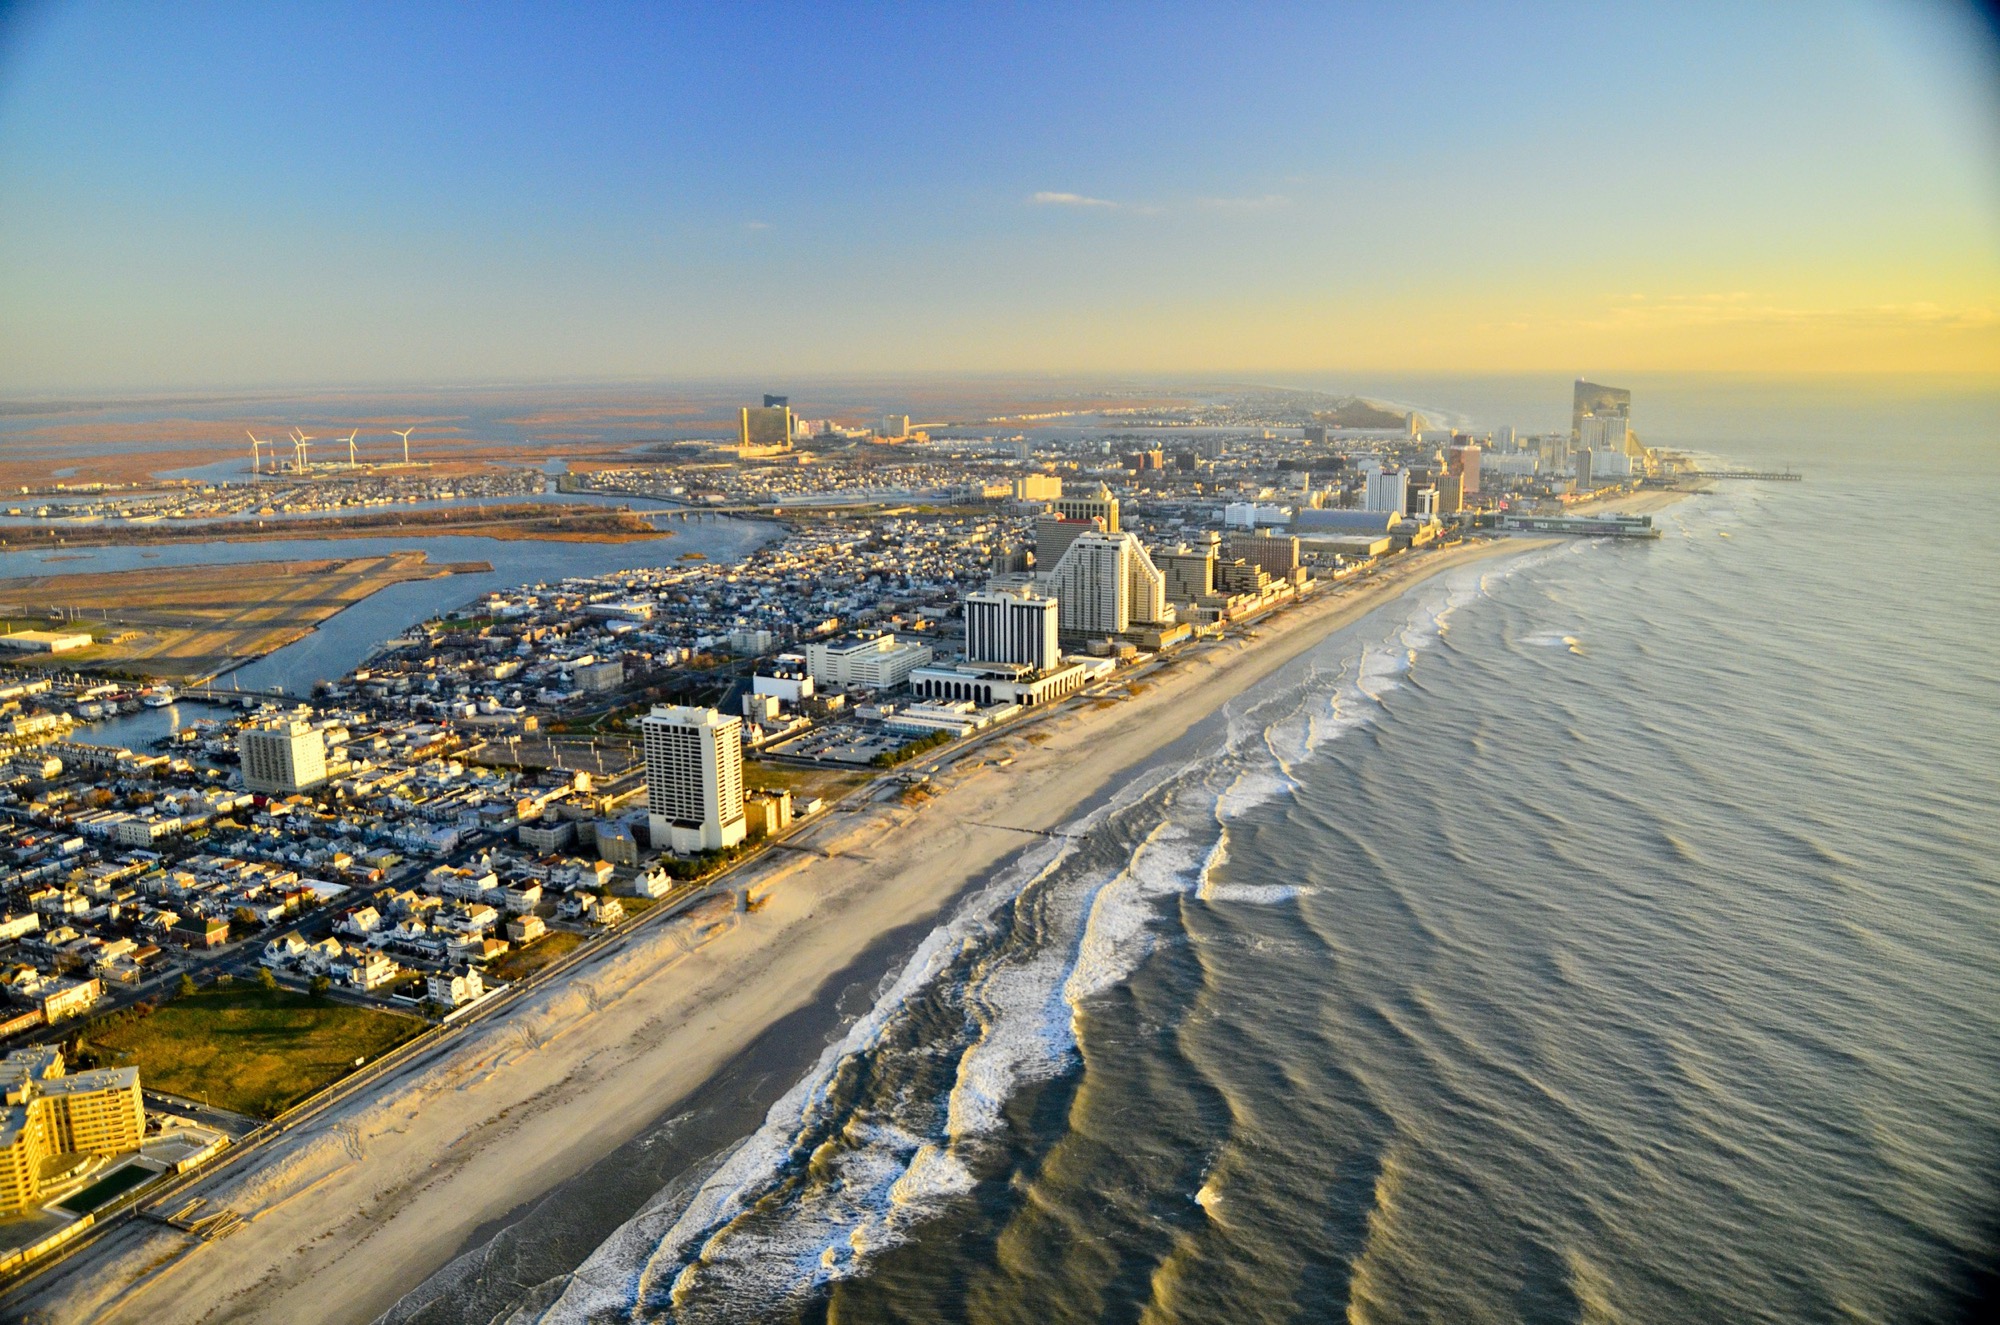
(301, 443)
(405, 435)
(350, 449)
(255, 442)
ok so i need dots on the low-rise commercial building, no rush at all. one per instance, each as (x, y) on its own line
(986, 684)
(865, 660)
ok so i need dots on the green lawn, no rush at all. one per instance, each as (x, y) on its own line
(511, 966)
(252, 1050)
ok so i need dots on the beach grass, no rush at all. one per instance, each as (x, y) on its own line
(254, 1051)
(830, 784)
(522, 962)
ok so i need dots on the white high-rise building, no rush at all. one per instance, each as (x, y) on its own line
(1147, 589)
(1092, 584)
(282, 757)
(1012, 626)
(1388, 490)
(1106, 582)
(694, 778)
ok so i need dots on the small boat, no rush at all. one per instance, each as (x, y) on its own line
(159, 697)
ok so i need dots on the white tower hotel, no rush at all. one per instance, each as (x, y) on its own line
(1012, 626)
(1105, 582)
(282, 757)
(694, 778)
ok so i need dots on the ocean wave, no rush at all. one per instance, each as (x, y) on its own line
(992, 1001)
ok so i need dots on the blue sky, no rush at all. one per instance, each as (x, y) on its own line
(233, 194)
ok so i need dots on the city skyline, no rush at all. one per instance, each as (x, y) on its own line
(1199, 663)
(317, 197)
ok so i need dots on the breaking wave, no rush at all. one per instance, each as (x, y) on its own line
(887, 1128)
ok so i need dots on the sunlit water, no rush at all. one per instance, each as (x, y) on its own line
(1603, 934)
(343, 641)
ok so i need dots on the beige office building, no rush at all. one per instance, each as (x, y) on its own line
(694, 778)
(50, 1115)
(1038, 487)
(1099, 505)
(282, 757)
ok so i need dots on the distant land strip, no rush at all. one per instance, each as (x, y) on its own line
(517, 521)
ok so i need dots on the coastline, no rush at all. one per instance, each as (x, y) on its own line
(264, 613)
(366, 1203)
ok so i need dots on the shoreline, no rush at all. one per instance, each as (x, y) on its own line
(366, 1203)
(194, 653)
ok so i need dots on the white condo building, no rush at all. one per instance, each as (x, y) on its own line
(1106, 582)
(282, 757)
(1012, 626)
(865, 660)
(694, 778)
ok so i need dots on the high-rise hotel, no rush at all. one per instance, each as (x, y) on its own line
(1012, 626)
(694, 778)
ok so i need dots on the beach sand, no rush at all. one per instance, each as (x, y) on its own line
(366, 1202)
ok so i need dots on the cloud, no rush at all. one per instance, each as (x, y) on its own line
(1048, 199)
(1262, 203)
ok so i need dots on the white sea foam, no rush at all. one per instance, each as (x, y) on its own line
(872, 1179)
(1266, 894)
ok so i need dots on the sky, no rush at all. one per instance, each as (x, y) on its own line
(217, 195)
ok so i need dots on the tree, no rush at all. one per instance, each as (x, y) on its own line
(320, 984)
(187, 984)
(244, 918)
(266, 980)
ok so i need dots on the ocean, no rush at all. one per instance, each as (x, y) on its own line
(1603, 933)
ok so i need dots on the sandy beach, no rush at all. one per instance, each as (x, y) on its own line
(362, 1204)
